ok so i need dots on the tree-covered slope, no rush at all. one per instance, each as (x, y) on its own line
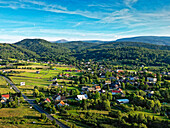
(77, 46)
(133, 44)
(127, 55)
(46, 50)
(16, 52)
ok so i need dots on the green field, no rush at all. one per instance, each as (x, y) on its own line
(31, 78)
(4, 89)
(11, 115)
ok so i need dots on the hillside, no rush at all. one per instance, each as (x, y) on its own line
(16, 52)
(114, 52)
(133, 44)
(46, 50)
(77, 46)
(158, 40)
(127, 55)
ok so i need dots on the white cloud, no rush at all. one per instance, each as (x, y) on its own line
(129, 3)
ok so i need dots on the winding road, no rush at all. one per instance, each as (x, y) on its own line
(31, 102)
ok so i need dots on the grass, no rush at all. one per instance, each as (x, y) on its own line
(4, 89)
(147, 112)
(91, 111)
(8, 115)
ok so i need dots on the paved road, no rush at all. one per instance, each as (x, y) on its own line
(31, 102)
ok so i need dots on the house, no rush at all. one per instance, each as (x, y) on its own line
(66, 75)
(54, 79)
(62, 104)
(84, 88)
(60, 75)
(119, 71)
(38, 72)
(151, 79)
(89, 69)
(81, 97)
(122, 101)
(107, 82)
(59, 97)
(97, 88)
(6, 96)
(91, 89)
(55, 83)
(47, 100)
(114, 92)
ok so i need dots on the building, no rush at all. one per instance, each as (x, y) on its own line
(62, 104)
(122, 101)
(47, 100)
(114, 92)
(81, 97)
(151, 79)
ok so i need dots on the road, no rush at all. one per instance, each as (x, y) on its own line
(31, 102)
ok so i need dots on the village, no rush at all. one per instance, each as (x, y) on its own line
(96, 88)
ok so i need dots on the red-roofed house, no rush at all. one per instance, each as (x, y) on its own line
(5, 96)
(47, 100)
(116, 92)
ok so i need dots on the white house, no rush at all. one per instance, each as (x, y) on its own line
(151, 79)
(81, 97)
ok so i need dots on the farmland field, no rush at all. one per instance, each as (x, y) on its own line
(3, 86)
(22, 117)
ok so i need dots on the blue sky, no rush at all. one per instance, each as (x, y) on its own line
(83, 19)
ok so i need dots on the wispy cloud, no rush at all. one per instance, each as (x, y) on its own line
(129, 3)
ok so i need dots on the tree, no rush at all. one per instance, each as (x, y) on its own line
(37, 100)
(97, 95)
(43, 116)
(53, 110)
(109, 96)
(141, 117)
(54, 122)
(0, 105)
(36, 93)
(150, 104)
(123, 85)
(157, 106)
(84, 104)
(106, 105)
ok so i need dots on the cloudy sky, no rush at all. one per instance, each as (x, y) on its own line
(82, 19)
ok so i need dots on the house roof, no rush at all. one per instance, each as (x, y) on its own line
(61, 102)
(122, 100)
(48, 100)
(6, 96)
(116, 91)
(97, 87)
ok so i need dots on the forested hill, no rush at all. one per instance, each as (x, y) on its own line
(77, 46)
(16, 52)
(114, 52)
(127, 55)
(158, 40)
(46, 50)
(133, 44)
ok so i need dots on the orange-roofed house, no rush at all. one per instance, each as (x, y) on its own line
(62, 104)
(98, 88)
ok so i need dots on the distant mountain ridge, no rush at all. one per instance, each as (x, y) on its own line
(69, 52)
(158, 40)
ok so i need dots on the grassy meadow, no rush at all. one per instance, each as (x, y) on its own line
(4, 89)
(23, 117)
